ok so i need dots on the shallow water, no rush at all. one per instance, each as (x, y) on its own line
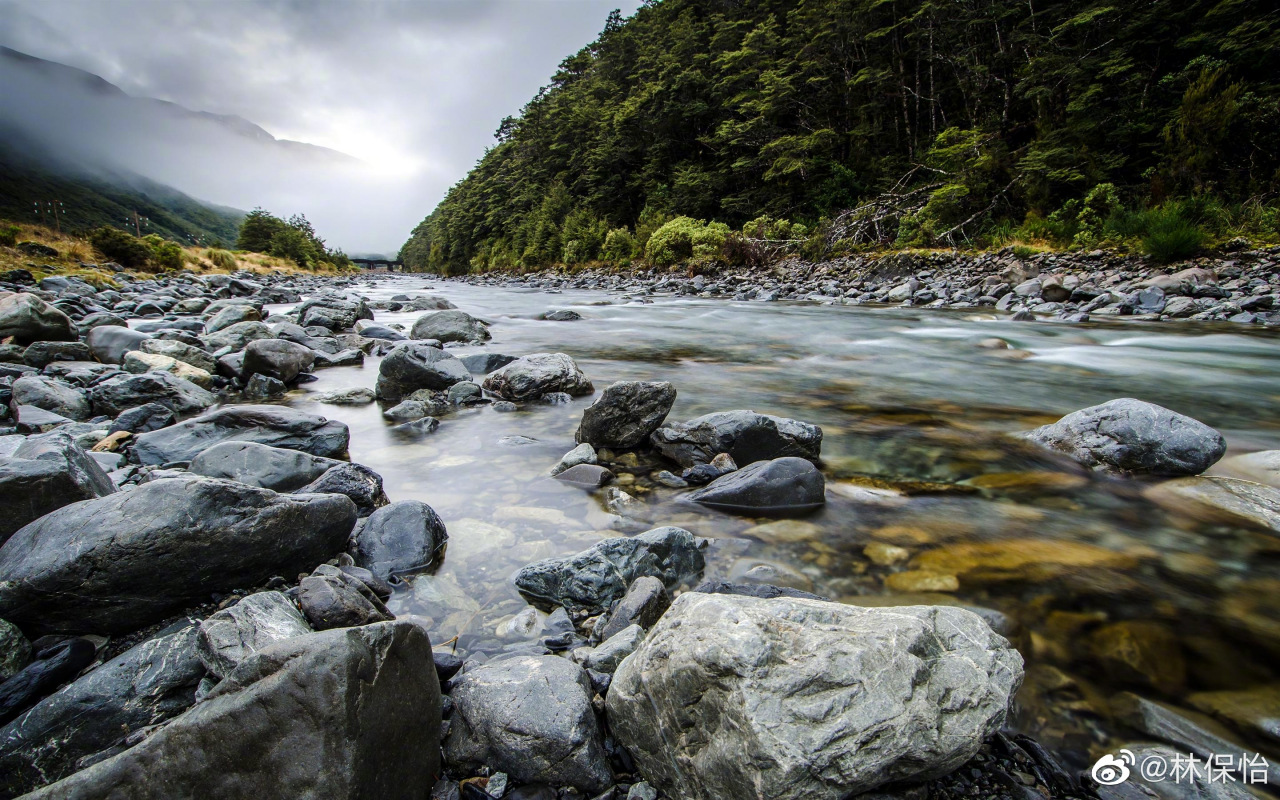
(901, 395)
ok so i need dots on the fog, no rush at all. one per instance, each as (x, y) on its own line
(396, 100)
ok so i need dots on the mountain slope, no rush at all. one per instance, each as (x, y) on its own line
(952, 119)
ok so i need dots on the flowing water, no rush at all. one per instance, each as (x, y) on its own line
(930, 496)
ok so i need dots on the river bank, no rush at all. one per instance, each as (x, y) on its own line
(414, 481)
(1239, 287)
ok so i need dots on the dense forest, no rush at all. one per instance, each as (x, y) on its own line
(837, 125)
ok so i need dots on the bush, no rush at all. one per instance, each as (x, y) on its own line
(1171, 235)
(168, 255)
(9, 235)
(683, 238)
(619, 246)
(1099, 205)
(220, 258)
(121, 247)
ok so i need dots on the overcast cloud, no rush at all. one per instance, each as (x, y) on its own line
(413, 88)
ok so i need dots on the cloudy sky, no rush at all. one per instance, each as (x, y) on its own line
(414, 88)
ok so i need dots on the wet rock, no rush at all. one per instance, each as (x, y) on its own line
(596, 577)
(355, 481)
(582, 454)
(118, 394)
(28, 319)
(563, 315)
(372, 330)
(531, 718)
(1140, 653)
(643, 604)
(261, 387)
(80, 568)
(465, 393)
(406, 411)
(109, 343)
(1254, 711)
(137, 362)
(781, 487)
(42, 354)
(277, 426)
(352, 713)
(1195, 784)
(180, 351)
(347, 397)
(231, 314)
(253, 464)
(46, 472)
(745, 435)
(31, 419)
(411, 366)
(428, 302)
(51, 668)
(906, 694)
(608, 655)
(15, 650)
(237, 632)
(276, 358)
(236, 337)
(484, 363)
(146, 685)
(332, 599)
(533, 376)
(1024, 560)
(451, 326)
(1221, 501)
(759, 590)
(52, 396)
(626, 414)
(1133, 436)
(342, 358)
(586, 476)
(400, 537)
(417, 428)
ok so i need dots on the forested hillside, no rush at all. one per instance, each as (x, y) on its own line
(875, 123)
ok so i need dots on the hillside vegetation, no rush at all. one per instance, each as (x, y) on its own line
(751, 130)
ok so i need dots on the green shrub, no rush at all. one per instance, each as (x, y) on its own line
(619, 246)
(765, 227)
(167, 255)
(1171, 235)
(220, 258)
(683, 238)
(121, 247)
(1099, 204)
(9, 235)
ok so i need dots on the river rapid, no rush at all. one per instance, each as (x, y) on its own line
(931, 497)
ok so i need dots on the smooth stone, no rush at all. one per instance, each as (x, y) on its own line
(401, 537)
(52, 396)
(608, 654)
(137, 362)
(109, 343)
(27, 319)
(118, 394)
(1222, 501)
(484, 363)
(532, 376)
(416, 428)
(142, 419)
(253, 464)
(330, 598)
(1020, 560)
(347, 397)
(231, 314)
(46, 472)
(781, 487)
(42, 354)
(277, 426)
(277, 358)
(626, 414)
(582, 454)
(411, 366)
(745, 435)
(355, 481)
(644, 604)
(180, 351)
(451, 326)
(586, 476)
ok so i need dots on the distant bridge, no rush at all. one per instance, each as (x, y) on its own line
(386, 264)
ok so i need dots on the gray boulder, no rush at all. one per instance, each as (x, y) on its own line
(109, 343)
(331, 598)
(253, 464)
(793, 698)
(120, 562)
(783, 487)
(229, 315)
(1133, 436)
(531, 377)
(116, 395)
(237, 632)
(594, 578)
(626, 414)
(484, 363)
(146, 685)
(529, 717)
(46, 472)
(745, 435)
(345, 714)
(646, 600)
(237, 337)
(42, 354)
(609, 654)
(413, 365)
(356, 481)
(451, 326)
(277, 426)
(27, 319)
(181, 351)
(400, 537)
(276, 358)
(51, 395)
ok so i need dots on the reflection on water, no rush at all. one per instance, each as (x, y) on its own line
(930, 499)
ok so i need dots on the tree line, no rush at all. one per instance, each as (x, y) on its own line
(860, 124)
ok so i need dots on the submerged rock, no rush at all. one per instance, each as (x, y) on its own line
(745, 435)
(781, 487)
(531, 718)
(626, 414)
(351, 713)
(734, 696)
(1221, 501)
(1133, 436)
(129, 559)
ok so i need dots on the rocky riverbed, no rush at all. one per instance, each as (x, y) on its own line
(607, 538)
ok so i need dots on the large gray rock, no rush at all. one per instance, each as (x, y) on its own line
(29, 319)
(120, 562)
(276, 358)
(181, 351)
(277, 426)
(414, 365)
(349, 714)
(626, 414)
(356, 481)
(46, 472)
(745, 435)
(1133, 436)
(529, 717)
(42, 354)
(275, 468)
(146, 685)
(237, 632)
(237, 336)
(531, 377)
(733, 696)
(116, 395)
(109, 343)
(783, 487)
(51, 395)
(333, 311)
(596, 577)
(400, 537)
(451, 326)
(229, 315)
